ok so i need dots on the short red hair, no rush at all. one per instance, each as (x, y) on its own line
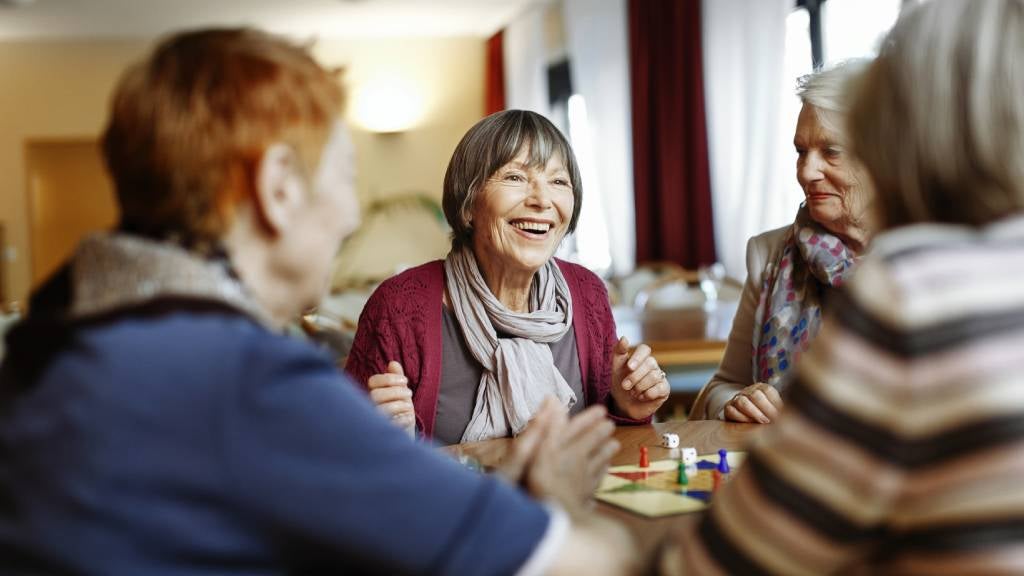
(189, 124)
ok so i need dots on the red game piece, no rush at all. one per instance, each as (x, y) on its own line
(644, 461)
(716, 479)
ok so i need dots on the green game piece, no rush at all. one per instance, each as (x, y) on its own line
(683, 479)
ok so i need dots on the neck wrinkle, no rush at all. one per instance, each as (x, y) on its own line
(515, 295)
(510, 287)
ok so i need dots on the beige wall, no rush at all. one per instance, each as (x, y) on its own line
(50, 91)
(59, 90)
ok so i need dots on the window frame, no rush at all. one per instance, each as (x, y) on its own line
(813, 8)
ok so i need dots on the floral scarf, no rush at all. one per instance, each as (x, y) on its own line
(788, 315)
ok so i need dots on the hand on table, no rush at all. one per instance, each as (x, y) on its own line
(390, 392)
(639, 386)
(757, 403)
(562, 459)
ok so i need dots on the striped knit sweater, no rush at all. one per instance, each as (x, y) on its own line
(901, 449)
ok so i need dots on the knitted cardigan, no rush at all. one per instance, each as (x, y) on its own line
(402, 321)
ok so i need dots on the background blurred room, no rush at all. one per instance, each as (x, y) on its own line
(681, 113)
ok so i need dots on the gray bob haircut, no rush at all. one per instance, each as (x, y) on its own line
(489, 145)
(938, 119)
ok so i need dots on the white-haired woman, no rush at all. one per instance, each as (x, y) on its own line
(791, 271)
(901, 449)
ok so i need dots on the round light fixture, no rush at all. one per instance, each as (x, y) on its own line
(387, 103)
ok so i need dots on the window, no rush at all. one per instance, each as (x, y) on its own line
(853, 28)
(838, 30)
(589, 245)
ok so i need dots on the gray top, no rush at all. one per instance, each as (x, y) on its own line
(460, 377)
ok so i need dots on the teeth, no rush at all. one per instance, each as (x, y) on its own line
(532, 226)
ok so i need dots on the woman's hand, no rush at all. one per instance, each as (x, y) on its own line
(639, 386)
(562, 459)
(758, 402)
(390, 392)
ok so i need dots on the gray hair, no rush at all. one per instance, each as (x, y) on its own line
(828, 91)
(939, 119)
(490, 144)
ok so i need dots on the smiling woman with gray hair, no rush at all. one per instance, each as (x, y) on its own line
(791, 271)
(466, 349)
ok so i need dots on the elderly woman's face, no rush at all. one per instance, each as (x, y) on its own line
(523, 212)
(832, 181)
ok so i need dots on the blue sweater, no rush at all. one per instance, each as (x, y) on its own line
(197, 442)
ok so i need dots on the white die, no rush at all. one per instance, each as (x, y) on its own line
(669, 440)
(689, 456)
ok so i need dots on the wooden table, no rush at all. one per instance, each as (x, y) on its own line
(706, 436)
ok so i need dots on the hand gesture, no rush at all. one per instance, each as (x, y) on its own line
(639, 386)
(562, 459)
(390, 392)
(758, 402)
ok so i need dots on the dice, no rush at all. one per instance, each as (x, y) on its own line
(690, 456)
(669, 440)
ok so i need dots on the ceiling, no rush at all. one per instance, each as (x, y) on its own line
(66, 19)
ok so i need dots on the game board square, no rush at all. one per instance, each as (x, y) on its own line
(653, 503)
(654, 491)
(632, 476)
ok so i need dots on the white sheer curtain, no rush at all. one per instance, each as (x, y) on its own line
(749, 99)
(854, 28)
(598, 47)
(526, 78)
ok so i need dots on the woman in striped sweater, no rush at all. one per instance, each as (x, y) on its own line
(901, 449)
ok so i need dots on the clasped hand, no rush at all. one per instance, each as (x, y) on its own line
(758, 403)
(639, 385)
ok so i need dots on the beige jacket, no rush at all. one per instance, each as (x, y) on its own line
(736, 370)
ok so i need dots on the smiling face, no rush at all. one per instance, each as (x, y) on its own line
(522, 213)
(832, 181)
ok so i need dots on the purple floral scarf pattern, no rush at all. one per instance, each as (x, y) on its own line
(788, 314)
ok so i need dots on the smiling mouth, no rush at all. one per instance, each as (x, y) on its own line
(531, 228)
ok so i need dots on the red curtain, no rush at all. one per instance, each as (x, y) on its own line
(670, 152)
(494, 75)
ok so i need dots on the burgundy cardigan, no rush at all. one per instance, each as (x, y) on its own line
(402, 321)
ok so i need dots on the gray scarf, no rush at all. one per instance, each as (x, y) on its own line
(518, 372)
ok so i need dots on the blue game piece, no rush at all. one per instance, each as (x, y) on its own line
(723, 462)
(706, 465)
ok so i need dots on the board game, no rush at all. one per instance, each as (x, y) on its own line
(654, 491)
